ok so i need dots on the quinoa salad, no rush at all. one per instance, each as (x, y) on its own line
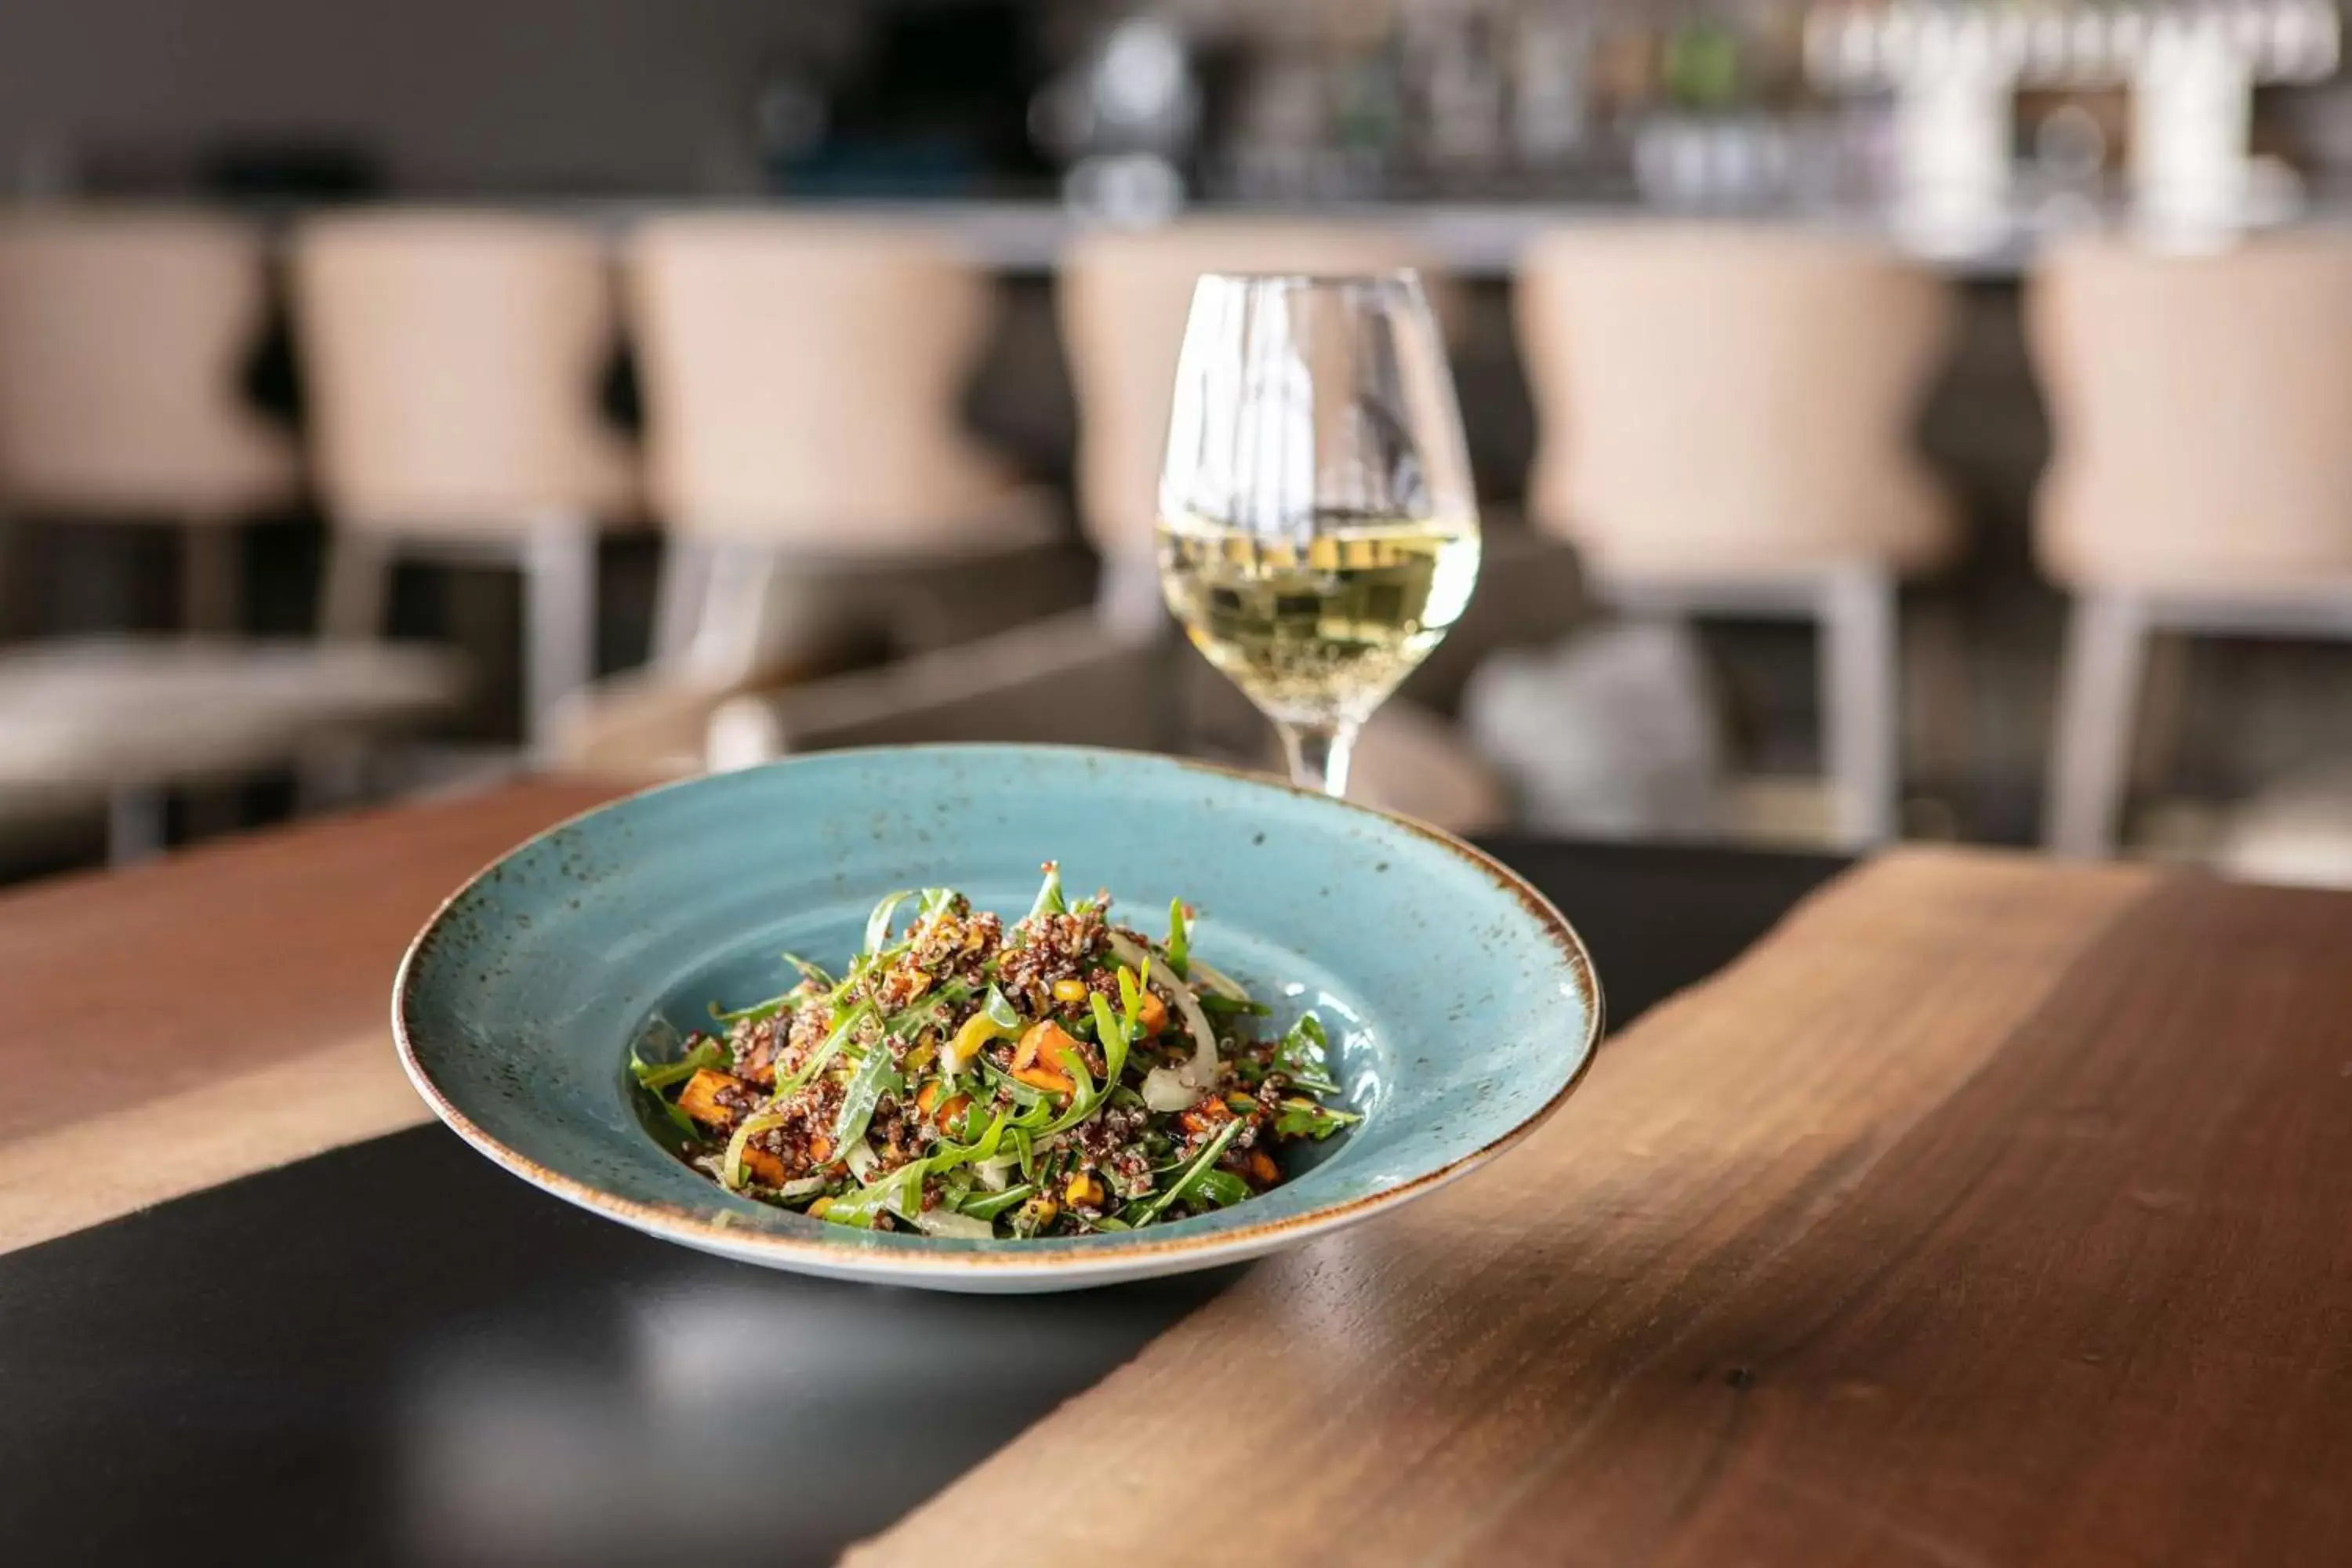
(963, 1077)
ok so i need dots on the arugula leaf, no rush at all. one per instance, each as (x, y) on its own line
(860, 965)
(680, 1119)
(1184, 1184)
(1081, 1094)
(1115, 1038)
(1023, 1094)
(982, 1148)
(1218, 1188)
(1303, 1057)
(1132, 983)
(1049, 894)
(1216, 1004)
(1083, 1104)
(987, 1205)
(1088, 1097)
(1179, 946)
(921, 1012)
(901, 1192)
(756, 1011)
(659, 1076)
(877, 924)
(812, 972)
(875, 1074)
(826, 1051)
(1301, 1117)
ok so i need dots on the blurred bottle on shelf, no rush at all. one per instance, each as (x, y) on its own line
(1702, 105)
(1551, 99)
(2190, 67)
(1121, 121)
(1456, 80)
(1719, 136)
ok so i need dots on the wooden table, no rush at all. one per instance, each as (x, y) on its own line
(1987, 1212)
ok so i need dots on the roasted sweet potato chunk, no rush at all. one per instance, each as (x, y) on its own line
(715, 1099)
(1042, 1059)
(765, 1168)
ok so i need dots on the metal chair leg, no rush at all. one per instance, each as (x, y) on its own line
(134, 824)
(2098, 690)
(1860, 686)
(559, 617)
(332, 772)
(212, 578)
(357, 591)
(679, 596)
(212, 604)
(2161, 715)
(1128, 595)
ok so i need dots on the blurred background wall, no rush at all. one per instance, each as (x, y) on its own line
(1013, 128)
(438, 96)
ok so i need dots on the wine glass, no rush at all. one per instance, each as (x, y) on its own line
(1317, 531)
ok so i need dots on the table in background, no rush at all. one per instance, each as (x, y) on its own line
(1987, 1211)
(394, 1352)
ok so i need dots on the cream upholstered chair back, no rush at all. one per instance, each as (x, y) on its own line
(804, 384)
(2202, 409)
(1717, 400)
(452, 363)
(1122, 299)
(123, 334)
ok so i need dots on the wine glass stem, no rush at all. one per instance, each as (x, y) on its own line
(1318, 755)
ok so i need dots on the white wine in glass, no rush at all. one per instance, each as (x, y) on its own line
(1317, 533)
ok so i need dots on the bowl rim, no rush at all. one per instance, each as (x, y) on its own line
(1122, 1252)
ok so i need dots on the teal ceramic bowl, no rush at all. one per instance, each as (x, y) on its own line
(1463, 1007)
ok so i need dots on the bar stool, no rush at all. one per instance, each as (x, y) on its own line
(2201, 477)
(807, 457)
(122, 335)
(452, 363)
(1723, 420)
(804, 392)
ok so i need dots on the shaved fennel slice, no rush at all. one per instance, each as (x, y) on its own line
(1199, 1073)
(1164, 1090)
(1216, 979)
(946, 1221)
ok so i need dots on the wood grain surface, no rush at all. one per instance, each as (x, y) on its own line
(174, 1025)
(1990, 1212)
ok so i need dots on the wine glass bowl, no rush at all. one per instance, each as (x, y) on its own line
(1318, 533)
